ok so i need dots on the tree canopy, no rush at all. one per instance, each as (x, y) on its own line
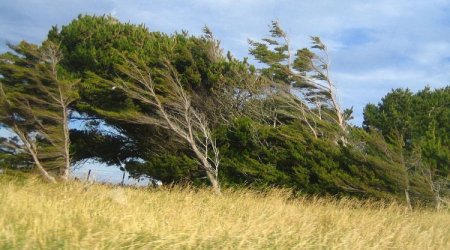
(175, 108)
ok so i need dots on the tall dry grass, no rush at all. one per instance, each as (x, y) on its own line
(34, 215)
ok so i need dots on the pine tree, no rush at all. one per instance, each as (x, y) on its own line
(306, 75)
(36, 96)
(421, 121)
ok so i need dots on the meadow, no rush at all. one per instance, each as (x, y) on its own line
(76, 215)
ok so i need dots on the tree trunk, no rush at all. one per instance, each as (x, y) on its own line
(408, 200)
(32, 151)
(407, 197)
(206, 166)
(214, 183)
(437, 200)
(438, 203)
(65, 169)
(41, 169)
(435, 190)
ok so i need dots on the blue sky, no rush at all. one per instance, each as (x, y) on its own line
(374, 45)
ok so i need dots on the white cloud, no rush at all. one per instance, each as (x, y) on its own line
(433, 53)
(381, 75)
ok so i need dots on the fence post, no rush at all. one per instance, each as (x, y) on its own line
(89, 174)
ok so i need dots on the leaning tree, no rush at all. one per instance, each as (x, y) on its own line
(35, 98)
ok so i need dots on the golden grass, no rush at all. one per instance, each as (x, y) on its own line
(34, 215)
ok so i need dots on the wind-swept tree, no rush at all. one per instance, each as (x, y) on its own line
(36, 96)
(220, 88)
(172, 110)
(421, 122)
(314, 69)
(306, 73)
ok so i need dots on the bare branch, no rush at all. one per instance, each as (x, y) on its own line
(179, 116)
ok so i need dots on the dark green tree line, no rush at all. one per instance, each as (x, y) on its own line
(419, 124)
(177, 109)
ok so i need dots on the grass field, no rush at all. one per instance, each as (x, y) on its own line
(34, 215)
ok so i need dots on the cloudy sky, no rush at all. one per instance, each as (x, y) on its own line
(374, 45)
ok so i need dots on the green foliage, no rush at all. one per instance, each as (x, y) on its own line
(169, 168)
(305, 76)
(421, 121)
(97, 47)
(289, 156)
(36, 94)
(14, 160)
(273, 52)
(276, 126)
(393, 115)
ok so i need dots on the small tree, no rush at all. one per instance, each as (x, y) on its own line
(305, 73)
(173, 111)
(35, 99)
(14, 118)
(315, 72)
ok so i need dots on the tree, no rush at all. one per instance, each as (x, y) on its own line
(36, 98)
(314, 69)
(166, 105)
(392, 115)
(220, 88)
(306, 74)
(421, 121)
(175, 113)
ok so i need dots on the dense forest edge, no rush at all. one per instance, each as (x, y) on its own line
(178, 109)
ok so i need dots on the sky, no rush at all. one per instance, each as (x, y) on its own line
(374, 46)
